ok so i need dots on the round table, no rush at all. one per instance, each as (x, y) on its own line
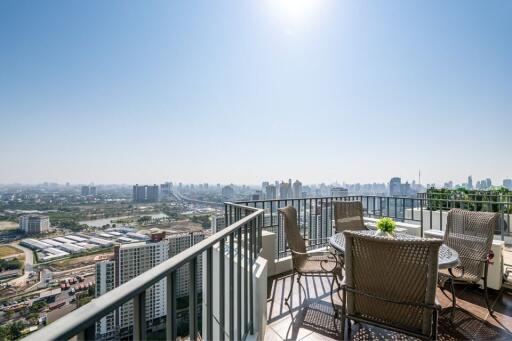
(448, 257)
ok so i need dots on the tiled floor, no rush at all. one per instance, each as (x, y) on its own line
(312, 317)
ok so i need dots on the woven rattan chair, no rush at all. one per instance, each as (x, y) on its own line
(304, 263)
(348, 215)
(470, 234)
(391, 283)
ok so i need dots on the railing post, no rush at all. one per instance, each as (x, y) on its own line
(170, 323)
(222, 292)
(88, 333)
(239, 286)
(231, 287)
(209, 294)
(139, 316)
(192, 299)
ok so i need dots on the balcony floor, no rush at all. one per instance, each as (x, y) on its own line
(313, 319)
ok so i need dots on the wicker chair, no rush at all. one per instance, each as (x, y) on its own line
(470, 234)
(304, 263)
(348, 215)
(391, 283)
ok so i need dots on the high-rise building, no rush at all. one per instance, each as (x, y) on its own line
(507, 183)
(395, 187)
(85, 190)
(218, 223)
(34, 223)
(88, 190)
(339, 192)
(284, 190)
(145, 193)
(228, 192)
(106, 281)
(297, 189)
(405, 189)
(270, 192)
(131, 260)
(256, 196)
(488, 183)
(177, 244)
(166, 189)
(470, 182)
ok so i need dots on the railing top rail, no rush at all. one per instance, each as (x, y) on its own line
(381, 197)
(78, 320)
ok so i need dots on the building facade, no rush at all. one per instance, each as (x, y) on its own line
(395, 187)
(177, 244)
(145, 193)
(34, 223)
(105, 281)
(339, 192)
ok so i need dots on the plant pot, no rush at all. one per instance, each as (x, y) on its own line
(380, 233)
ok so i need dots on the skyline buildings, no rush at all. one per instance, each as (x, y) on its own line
(145, 193)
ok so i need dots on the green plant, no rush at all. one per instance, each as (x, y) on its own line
(386, 225)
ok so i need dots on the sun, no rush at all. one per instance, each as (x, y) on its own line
(295, 12)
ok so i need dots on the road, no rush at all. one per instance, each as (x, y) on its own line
(179, 196)
(69, 306)
(29, 265)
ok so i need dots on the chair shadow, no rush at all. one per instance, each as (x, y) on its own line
(316, 316)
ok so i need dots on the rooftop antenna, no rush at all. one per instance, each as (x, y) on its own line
(419, 177)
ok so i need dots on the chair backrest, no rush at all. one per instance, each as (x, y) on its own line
(293, 237)
(348, 215)
(398, 270)
(471, 233)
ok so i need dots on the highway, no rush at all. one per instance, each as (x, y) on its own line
(195, 201)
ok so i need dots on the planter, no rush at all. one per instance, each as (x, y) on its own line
(380, 233)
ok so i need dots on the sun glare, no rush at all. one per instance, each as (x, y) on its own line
(295, 13)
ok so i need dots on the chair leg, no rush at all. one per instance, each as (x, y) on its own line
(486, 295)
(332, 295)
(454, 299)
(434, 324)
(344, 318)
(291, 288)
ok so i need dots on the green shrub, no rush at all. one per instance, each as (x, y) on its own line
(386, 225)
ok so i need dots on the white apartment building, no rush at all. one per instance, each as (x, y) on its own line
(131, 260)
(134, 259)
(218, 223)
(34, 223)
(105, 281)
(177, 244)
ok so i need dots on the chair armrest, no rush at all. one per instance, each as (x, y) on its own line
(299, 253)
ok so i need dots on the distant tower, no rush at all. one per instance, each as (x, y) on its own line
(419, 177)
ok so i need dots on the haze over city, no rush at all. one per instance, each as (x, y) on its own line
(324, 91)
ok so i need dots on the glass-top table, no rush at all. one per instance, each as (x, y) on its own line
(448, 257)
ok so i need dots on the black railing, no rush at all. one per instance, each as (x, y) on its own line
(315, 215)
(242, 236)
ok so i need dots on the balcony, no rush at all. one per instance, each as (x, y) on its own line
(246, 268)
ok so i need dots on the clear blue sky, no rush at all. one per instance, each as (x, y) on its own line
(244, 91)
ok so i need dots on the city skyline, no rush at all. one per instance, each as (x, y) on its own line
(239, 92)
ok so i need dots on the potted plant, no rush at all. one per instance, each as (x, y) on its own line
(385, 227)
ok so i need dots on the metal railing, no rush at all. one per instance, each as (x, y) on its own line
(243, 235)
(315, 215)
